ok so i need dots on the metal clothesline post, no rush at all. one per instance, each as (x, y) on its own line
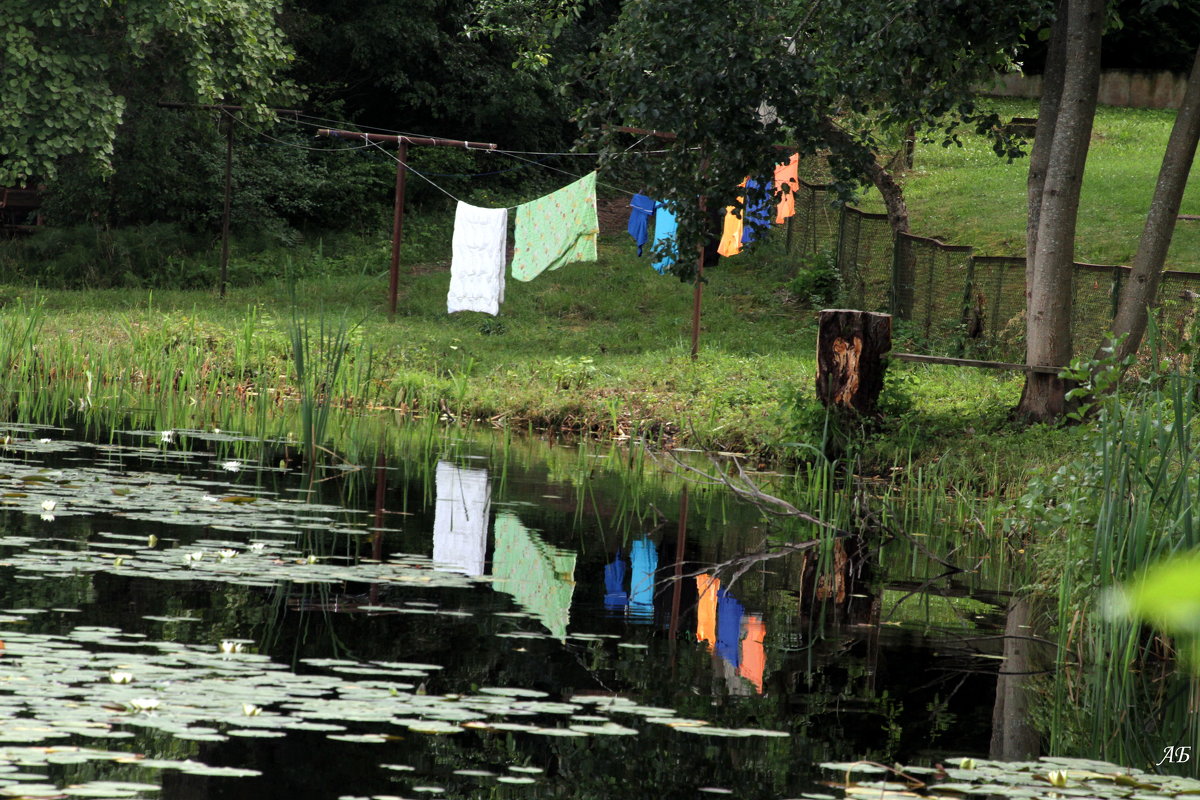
(697, 294)
(225, 213)
(402, 143)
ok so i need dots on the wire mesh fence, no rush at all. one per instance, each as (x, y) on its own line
(949, 301)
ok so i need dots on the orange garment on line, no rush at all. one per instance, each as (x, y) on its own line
(706, 609)
(731, 231)
(754, 657)
(789, 174)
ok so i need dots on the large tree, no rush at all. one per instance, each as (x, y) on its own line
(1064, 132)
(835, 73)
(67, 68)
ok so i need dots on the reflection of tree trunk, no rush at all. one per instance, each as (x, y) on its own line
(1013, 735)
(838, 580)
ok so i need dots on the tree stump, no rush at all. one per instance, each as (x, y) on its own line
(851, 346)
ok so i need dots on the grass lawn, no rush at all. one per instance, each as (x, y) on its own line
(967, 195)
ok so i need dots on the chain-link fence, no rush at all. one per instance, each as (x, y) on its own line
(814, 228)
(864, 259)
(948, 301)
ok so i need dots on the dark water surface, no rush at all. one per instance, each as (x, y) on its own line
(462, 623)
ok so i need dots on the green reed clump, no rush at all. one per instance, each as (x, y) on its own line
(1118, 690)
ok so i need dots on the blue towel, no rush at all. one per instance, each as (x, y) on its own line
(664, 234)
(729, 627)
(758, 210)
(640, 209)
(615, 597)
(641, 581)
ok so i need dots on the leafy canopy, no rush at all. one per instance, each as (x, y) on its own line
(67, 67)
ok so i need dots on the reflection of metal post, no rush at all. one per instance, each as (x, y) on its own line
(377, 539)
(680, 541)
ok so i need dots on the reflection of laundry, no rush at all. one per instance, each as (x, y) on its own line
(460, 520)
(644, 558)
(539, 577)
(707, 587)
(729, 627)
(754, 657)
(615, 596)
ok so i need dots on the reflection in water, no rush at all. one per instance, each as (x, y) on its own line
(707, 587)
(615, 596)
(641, 582)
(1013, 735)
(754, 657)
(464, 497)
(729, 627)
(538, 576)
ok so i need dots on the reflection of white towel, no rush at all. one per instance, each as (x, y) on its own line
(477, 265)
(460, 520)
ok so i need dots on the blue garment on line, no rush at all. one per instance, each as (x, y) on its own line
(758, 210)
(640, 209)
(664, 234)
(644, 558)
(729, 627)
(615, 597)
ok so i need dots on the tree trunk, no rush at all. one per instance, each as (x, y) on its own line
(893, 195)
(1013, 735)
(1049, 288)
(1047, 121)
(1140, 293)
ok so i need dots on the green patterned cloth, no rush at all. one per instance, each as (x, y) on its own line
(539, 576)
(557, 229)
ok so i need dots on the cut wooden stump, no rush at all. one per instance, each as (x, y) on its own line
(851, 346)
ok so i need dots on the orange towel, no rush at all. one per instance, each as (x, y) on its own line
(789, 174)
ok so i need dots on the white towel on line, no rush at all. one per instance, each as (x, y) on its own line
(477, 265)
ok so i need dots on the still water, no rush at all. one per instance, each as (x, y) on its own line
(185, 615)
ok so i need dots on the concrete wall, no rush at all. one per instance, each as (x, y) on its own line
(1118, 87)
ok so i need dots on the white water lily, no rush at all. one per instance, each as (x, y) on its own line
(196, 556)
(228, 646)
(967, 763)
(1057, 778)
(44, 441)
(49, 505)
(120, 677)
(232, 466)
(47, 516)
(166, 437)
(258, 546)
(251, 710)
(311, 559)
(144, 704)
(227, 554)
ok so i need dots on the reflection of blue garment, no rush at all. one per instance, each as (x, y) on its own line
(614, 584)
(664, 234)
(640, 209)
(641, 582)
(729, 627)
(758, 210)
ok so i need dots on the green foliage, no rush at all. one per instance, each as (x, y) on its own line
(66, 67)
(818, 281)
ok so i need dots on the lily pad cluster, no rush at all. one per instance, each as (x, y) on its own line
(1049, 778)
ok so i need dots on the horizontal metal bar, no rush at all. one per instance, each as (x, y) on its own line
(968, 362)
(418, 140)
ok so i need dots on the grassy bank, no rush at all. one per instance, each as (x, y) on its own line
(596, 348)
(969, 196)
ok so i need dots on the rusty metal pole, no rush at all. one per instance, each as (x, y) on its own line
(699, 271)
(228, 202)
(397, 224)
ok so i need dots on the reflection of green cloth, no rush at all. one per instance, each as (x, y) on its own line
(539, 577)
(557, 229)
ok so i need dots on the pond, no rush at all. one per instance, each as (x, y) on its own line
(184, 612)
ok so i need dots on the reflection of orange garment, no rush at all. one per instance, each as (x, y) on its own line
(706, 609)
(788, 173)
(754, 657)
